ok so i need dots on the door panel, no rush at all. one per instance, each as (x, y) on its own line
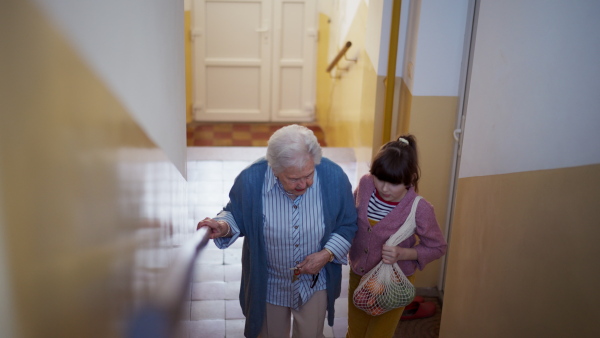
(291, 80)
(294, 58)
(231, 30)
(232, 59)
(232, 90)
(254, 60)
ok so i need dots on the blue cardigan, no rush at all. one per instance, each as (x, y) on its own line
(245, 203)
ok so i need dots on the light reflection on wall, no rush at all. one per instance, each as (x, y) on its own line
(92, 209)
(156, 197)
(88, 235)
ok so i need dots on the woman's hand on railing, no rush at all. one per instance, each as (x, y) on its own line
(216, 229)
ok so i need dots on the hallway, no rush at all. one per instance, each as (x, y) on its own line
(213, 309)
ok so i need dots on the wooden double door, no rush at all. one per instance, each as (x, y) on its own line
(254, 60)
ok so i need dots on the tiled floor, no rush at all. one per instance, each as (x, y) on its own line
(239, 134)
(214, 309)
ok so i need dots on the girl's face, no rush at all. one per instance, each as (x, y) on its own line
(388, 191)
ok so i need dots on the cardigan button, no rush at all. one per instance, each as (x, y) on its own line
(296, 245)
(370, 229)
(296, 227)
(295, 207)
(362, 270)
(366, 250)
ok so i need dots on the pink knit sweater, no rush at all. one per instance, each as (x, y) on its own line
(365, 251)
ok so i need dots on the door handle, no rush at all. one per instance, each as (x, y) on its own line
(455, 134)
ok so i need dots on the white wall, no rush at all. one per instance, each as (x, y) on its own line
(378, 17)
(430, 43)
(346, 11)
(378, 34)
(323, 6)
(438, 52)
(533, 102)
(412, 36)
(136, 47)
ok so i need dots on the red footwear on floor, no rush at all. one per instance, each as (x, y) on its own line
(415, 303)
(419, 310)
(418, 299)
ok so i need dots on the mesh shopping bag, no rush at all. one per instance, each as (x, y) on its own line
(385, 287)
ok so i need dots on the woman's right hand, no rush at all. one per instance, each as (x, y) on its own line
(217, 229)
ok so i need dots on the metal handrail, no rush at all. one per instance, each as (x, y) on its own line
(159, 317)
(339, 56)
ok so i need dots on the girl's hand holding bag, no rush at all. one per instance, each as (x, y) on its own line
(386, 287)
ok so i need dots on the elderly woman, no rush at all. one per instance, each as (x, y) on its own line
(296, 212)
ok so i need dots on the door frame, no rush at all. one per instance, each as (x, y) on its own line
(465, 79)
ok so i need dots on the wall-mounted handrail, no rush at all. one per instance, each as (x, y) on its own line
(159, 317)
(339, 56)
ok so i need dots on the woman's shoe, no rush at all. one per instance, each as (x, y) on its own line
(419, 310)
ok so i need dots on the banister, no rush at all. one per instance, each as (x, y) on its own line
(339, 55)
(159, 317)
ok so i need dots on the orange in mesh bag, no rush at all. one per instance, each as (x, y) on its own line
(385, 287)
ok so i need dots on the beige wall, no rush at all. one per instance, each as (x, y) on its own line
(346, 103)
(527, 263)
(324, 80)
(404, 108)
(523, 259)
(83, 189)
(189, 79)
(432, 121)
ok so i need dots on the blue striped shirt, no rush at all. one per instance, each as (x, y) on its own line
(293, 230)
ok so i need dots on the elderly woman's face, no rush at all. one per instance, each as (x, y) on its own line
(296, 181)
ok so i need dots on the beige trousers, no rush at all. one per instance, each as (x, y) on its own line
(308, 320)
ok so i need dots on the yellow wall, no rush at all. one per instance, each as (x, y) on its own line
(528, 245)
(431, 119)
(404, 108)
(346, 104)
(189, 79)
(377, 88)
(83, 190)
(324, 80)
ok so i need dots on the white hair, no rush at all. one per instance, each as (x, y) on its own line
(290, 146)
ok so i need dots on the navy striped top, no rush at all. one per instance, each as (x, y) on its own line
(378, 208)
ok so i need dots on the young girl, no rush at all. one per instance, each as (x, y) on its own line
(384, 199)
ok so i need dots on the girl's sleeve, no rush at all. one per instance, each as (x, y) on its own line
(432, 244)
